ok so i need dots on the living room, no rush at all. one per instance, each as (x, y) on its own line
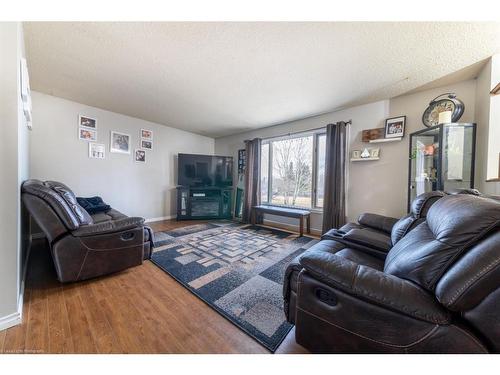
(218, 187)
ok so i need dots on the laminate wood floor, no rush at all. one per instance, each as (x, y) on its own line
(139, 310)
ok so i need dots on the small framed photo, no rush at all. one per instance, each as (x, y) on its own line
(356, 154)
(148, 145)
(97, 150)
(140, 155)
(147, 134)
(375, 153)
(87, 122)
(395, 127)
(87, 134)
(119, 143)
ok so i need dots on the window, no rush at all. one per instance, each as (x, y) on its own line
(293, 170)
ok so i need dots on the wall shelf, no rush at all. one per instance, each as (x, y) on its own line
(365, 159)
(383, 140)
(496, 90)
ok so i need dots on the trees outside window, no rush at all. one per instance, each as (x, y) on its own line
(291, 171)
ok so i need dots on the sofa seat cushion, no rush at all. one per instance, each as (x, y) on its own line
(361, 258)
(107, 216)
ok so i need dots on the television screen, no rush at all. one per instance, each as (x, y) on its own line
(205, 170)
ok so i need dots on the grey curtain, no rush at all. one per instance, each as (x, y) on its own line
(335, 176)
(252, 178)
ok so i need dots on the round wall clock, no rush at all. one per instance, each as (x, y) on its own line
(439, 104)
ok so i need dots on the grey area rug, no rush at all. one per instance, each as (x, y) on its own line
(236, 269)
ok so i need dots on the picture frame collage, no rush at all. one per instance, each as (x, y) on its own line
(119, 142)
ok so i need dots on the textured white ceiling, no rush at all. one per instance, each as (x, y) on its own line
(222, 78)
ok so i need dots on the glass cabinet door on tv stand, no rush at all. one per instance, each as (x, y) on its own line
(441, 158)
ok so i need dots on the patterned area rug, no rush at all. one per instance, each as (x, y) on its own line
(235, 268)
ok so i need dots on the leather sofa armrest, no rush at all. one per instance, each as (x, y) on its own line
(378, 222)
(368, 238)
(107, 227)
(374, 286)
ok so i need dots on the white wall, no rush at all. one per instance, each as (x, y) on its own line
(136, 189)
(378, 186)
(488, 128)
(13, 169)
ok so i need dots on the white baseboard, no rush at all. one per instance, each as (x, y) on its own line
(10, 321)
(169, 217)
(17, 318)
(291, 227)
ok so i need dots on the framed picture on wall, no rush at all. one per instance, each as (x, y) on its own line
(241, 161)
(147, 134)
(140, 155)
(97, 150)
(87, 122)
(87, 134)
(119, 143)
(148, 145)
(395, 127)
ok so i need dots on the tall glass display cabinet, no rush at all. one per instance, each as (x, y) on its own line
(441, 158)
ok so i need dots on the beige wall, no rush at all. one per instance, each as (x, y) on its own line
(375, 186)
(14, 169)
(137, 189)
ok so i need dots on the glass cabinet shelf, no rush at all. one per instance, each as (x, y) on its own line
(441, 158)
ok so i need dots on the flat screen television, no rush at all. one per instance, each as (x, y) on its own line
(205, 170)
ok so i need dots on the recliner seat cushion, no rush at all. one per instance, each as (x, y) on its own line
(111, 214)
(454, 223)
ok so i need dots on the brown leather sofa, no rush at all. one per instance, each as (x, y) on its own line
(435, 290)
(84, 246)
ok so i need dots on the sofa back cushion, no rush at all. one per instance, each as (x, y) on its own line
(418, 211)
(67, 194)
(454, 224)
(56, 202)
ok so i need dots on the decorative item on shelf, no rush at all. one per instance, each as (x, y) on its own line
(375, 153)
(365, 154)
(140, 155)
(437, 105)
(372, 134)
(97, 150)
(395, 127)
(119, 143)
(444, 117)
(356, 154)
(429, 150)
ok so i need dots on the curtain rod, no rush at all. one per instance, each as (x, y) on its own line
(300, 131)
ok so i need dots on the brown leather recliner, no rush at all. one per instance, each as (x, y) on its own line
(84, 246)
(436, 291)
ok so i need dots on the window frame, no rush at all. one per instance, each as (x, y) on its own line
(315, 155)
